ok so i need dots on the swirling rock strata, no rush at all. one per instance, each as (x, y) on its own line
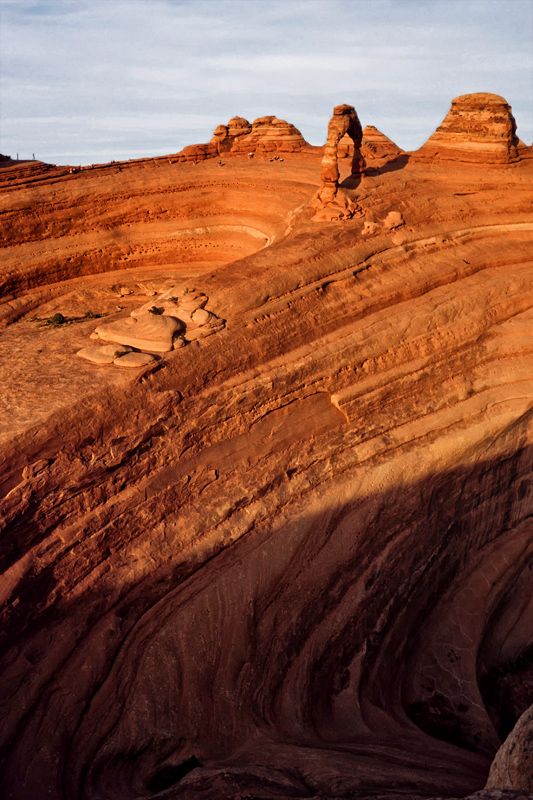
(293, 560)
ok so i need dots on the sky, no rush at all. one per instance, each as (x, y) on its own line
(89, 81)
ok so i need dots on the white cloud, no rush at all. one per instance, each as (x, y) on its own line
(170, 70)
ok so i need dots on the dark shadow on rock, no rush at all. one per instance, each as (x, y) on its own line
(393, 165)
(171, 774)
(312, 648)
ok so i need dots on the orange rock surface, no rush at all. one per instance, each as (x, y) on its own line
(264, 135)
(478, 127)
(291, 559)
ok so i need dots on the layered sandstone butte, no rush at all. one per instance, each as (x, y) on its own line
(479, 127)
(291, 559)
(266, 135)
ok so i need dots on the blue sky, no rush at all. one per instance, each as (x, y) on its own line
(85, 81)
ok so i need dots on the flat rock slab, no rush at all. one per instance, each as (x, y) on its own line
(103, 355)
(134, 360)
(146, 332)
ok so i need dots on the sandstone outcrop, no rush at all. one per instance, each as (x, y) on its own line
(265, 135)
(147, 331)
(155, 326)
(103, 355)
(374, 145)
(332, 204)
(194, 153)
(289, 560)
(478, 128)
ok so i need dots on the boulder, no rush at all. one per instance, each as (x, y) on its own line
(145, 332)
(103, 355)
(134, 360)
(196, 152)
(512, 767)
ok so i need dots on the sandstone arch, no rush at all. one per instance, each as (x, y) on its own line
(344, 121)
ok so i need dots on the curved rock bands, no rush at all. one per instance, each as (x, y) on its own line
(292, 559)
(336, 556)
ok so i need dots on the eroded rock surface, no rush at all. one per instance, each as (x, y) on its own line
(513, 766)
(292, 559)
(332, 202)
(374, 145)
(479, 127)
(265, 135)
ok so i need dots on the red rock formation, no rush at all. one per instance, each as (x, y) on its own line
(265, 135)
(374, 145)
(194, 153)
(479, 128)
(291, 559)
(330, 202)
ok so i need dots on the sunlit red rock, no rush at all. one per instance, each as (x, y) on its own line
(291, 557)
(479, 128)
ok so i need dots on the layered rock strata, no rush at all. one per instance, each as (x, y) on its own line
(374, 145)
(478, 128)
(292, 560)
(154, 326)
(265, 135)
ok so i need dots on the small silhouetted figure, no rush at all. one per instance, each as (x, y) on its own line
(17, 156)
(33, 156)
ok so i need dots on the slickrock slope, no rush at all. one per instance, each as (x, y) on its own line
(479, 127)
(292, 559)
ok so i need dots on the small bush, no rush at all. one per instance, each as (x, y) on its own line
(155, 310)
(56, 320)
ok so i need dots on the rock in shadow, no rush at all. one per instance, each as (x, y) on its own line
(171, 774)
(393, 165)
